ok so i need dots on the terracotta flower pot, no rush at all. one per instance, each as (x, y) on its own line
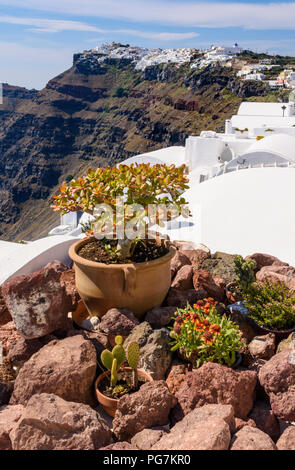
(136, 286)
(232, 293)
(110, 404)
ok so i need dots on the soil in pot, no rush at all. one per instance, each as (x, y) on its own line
(124, 385)
(7, 373)
(147, 250)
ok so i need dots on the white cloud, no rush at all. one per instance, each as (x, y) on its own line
(55, 26)
(166, 36)
(49, 26)
(275, 15)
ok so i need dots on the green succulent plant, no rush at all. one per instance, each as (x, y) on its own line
(112, 360)
(133, 354)
(245, 272)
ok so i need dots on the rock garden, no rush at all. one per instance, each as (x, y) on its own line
(194, 373)
(147, 345)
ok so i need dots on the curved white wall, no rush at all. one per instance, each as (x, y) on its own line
(26, 259)
(244, 212)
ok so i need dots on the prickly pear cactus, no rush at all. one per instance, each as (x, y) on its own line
(119, 340)
(119, 354)
(133, 355)
(114, 375)
(107, 359)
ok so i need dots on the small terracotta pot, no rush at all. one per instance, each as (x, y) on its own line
(136, 286)
(232, 297)
(110, 404)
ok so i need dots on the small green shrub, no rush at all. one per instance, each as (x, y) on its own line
(271, 305)
(245, 272)
(120, 92)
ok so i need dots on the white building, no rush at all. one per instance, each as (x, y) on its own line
(255, 76)
(242, 191)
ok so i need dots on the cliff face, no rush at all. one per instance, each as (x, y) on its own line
(98, 114)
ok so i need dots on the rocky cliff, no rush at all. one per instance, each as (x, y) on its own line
(99, 113)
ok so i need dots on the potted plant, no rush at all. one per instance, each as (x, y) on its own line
(202, 335)
(245, 276)
(118, 381)
(122, 264)
(271, 307)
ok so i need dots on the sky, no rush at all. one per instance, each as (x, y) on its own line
(38, 37)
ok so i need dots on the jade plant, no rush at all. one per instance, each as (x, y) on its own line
(126, 201)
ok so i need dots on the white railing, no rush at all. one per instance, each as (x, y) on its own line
(224, 170)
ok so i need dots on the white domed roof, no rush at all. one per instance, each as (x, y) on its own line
(279, 144)
(141, 159)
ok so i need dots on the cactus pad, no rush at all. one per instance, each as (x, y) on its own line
(119, 340)
(107, 359)
(119, 353)
(133, 355)
(114, 376)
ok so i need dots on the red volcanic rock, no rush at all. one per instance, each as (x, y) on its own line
(211, 434)
(8, 337)
(249, 438)
(263, 259)
(184, 278)
(144, 440)
(160, 316)
(214, 383)
(177, 262)
(240, 423)
(265, 419)
(118, 322)
(179, 298)
(119, 446)
(5, 316)
(23, 349)
(203, 280)
(98, 339)
(277, 377)
(43, 300)
(177, 376)
(197, 257)
(51, 423)
(287, 439)
(9, 416)
(66, 368)
(148, 407)
(67, 279)
(263, 347)
(276, 273)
